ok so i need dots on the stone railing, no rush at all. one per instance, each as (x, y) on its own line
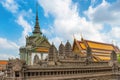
(67, 72)
(77, 63)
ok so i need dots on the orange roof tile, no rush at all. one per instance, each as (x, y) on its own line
(104, 55)
(40, 49)
(103, 58)
(101, 51)
(3, 62)
(82, 45)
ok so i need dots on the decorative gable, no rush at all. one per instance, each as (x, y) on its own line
(43, 43)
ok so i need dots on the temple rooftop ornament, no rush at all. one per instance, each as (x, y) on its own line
(37, 30)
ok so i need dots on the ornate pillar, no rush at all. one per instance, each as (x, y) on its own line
(61, 49)
(68, 49)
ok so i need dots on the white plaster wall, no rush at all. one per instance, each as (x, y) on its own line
(45, 55)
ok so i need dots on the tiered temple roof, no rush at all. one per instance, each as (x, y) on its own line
(100, 51)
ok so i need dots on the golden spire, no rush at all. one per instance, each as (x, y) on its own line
(37, 27)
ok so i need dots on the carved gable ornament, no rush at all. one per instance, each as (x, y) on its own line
(44, 43)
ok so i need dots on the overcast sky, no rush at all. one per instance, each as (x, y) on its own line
(97, 20)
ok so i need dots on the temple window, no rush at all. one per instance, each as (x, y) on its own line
(28, 73)
(17, 74)
(36, 73)
(36, 59)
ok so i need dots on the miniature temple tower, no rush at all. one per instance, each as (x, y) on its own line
(52, 58)
(68, 49)
(37, 45)
(61, 49)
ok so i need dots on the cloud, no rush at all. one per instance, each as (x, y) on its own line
(10, 5)
(93, 2)
(22, 18)
(5, 44)
(56, 40)
(6, 56)
(105, 13)
(115, 32)
(8, 49)
(27, 28)
(68, 22)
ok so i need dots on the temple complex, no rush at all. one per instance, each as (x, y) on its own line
(64, 64)
(84, 60)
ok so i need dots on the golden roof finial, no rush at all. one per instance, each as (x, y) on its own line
(113, 42)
